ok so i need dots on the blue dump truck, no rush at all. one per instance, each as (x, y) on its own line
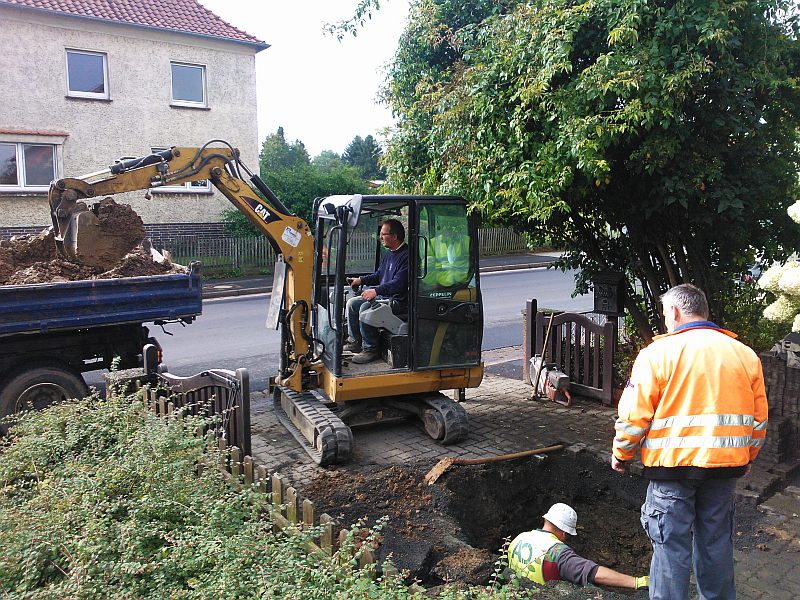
(52, 333)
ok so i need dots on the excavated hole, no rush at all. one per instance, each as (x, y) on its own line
(493, 503)
(455, 530)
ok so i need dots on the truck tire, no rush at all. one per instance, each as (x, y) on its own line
(38, 386)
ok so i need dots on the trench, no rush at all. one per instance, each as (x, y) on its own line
(456, 529)
(493, 503)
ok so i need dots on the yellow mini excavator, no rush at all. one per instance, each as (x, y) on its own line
(428, 345)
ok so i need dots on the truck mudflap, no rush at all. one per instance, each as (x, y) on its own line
(323, 435)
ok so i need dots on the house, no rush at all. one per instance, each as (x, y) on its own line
(85, 82)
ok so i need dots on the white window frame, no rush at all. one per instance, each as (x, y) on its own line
(188, 103)
(21, 175)
(92, 95)
(183, 188)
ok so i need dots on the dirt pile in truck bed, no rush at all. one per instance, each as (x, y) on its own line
(28, 259)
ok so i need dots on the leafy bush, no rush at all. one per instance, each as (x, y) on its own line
(744, 315)
(101, 499)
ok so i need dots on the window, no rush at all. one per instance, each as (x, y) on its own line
(87, 74)
(27, 166)
(202, 186)
(188, 85)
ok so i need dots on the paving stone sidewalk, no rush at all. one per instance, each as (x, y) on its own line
(504, 419)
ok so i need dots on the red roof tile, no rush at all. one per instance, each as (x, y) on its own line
(187, 16)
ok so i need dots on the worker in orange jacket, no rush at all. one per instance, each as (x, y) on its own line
(696, 407)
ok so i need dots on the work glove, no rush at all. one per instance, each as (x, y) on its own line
(642, 583)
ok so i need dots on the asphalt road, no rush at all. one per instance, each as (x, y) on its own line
(231, 332)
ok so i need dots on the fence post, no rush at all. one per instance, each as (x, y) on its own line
(261, 474)
(608, 361)
(248, 471)
(326, 536)
(529, 337)
(291, 504)
(308, 514)
(277, 496)
(243, 414)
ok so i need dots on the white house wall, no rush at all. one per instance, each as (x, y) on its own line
(138, 116)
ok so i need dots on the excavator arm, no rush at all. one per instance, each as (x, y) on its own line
(78, 237)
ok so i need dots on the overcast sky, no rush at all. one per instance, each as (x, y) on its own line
(322, 91)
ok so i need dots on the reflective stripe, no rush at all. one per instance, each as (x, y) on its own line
(757, 443)
(698, 441)
(703, 421)
(759, 425)
(628, 429)
(625, 445)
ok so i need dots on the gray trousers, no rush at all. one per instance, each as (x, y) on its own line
(366, 335)
(690, 524)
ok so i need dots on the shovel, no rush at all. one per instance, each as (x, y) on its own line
(444, 464)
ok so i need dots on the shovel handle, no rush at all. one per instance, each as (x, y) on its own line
(490, 459)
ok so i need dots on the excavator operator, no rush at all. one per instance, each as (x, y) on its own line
(541, 555)
(390, 281)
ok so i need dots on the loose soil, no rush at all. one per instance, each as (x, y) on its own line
(455, 530)
(29, 259)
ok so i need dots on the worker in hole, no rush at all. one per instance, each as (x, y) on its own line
(541, 555)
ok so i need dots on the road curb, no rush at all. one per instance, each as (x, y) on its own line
(209, 294)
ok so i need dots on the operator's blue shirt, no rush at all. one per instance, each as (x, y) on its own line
(392, 275)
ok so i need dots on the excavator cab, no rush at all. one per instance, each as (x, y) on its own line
(438, 327)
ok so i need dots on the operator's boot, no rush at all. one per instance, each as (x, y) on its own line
(354, 347)
(366, 356)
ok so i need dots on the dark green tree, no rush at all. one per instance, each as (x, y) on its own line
(365, 155)
(277, 154)
(659, 139)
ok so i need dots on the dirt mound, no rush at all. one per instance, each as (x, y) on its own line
(105, 241)
(28, 259)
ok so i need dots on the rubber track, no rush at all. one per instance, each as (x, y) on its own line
(456, 421)
(335, 440)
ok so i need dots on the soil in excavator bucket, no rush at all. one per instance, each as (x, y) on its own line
(100, 236)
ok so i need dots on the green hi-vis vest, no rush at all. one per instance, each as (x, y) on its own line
(450, 262)
(534, 555)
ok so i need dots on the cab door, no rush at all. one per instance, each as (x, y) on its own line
(447, 312)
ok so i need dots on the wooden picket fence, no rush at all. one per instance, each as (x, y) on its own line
(225, 256)
(289, 512)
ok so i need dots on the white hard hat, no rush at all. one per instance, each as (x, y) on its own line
(562, 516)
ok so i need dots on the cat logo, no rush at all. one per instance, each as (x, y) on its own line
(263, 213)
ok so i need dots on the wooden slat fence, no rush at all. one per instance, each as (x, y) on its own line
(499, 240)
(226, 394)
(222, 256)
(579, 347)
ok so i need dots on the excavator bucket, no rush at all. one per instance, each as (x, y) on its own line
(97, 236)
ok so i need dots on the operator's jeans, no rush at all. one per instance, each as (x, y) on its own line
(366, 335)
(683, 515)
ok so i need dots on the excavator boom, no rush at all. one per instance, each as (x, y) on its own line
(81, 236)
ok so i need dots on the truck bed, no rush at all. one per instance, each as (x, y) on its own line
(46, 307)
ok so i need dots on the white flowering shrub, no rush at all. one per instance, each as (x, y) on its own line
(794, 212)
(769, 279)
(784, 282)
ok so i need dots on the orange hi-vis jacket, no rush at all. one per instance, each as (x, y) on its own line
(696, 398)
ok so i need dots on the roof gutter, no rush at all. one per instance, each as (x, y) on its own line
(258, 46)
